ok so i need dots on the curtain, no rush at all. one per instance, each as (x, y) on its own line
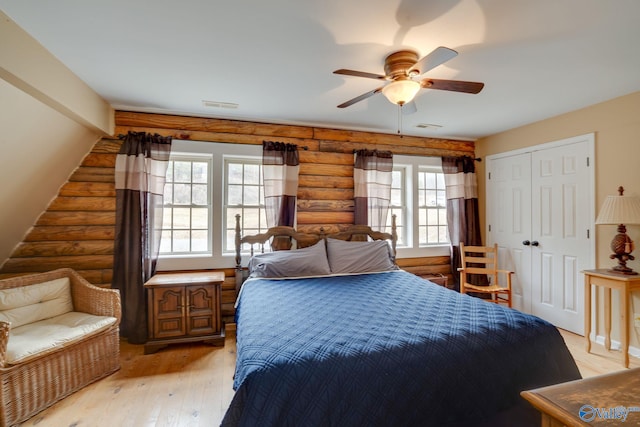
(280, 167)
(141, 166)
(372, 187)
(463, 217)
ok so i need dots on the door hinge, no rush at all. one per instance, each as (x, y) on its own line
(588, 234)
(489, 227)
(489, 175)
(587, 162)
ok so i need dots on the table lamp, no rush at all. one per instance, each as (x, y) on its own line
(621, 210)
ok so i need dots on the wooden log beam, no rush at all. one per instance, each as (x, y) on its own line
(77, 218)
(71, 232)
(78, 247)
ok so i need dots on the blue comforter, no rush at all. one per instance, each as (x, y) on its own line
(384, 349)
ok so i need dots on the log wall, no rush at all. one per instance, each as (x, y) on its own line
(78, 227)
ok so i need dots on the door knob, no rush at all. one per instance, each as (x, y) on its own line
(535, 243)
(526, 243)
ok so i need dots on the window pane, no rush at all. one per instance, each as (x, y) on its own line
(234, 172)
(199, 194)
(396, 179)
(181, 218)
(168, 194)
(165, 241)
(199, 218)
(430, 180)
(182, 172)
(251, 195)
(234, 195)
(181, 241)
(251, 174)
(441, 199)
(200, 172)
(199, 241)
(430, 198)
(432, 216)
(396, 197)
(231, 217)
(440, 180)
(182, 194)
(166, 218)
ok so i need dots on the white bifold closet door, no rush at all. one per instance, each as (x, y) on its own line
(540, 212)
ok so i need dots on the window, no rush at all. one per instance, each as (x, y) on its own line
(199, 214)
(418, 200)
(432, 208)
(187, 206)
(244, 196)
(398, 203)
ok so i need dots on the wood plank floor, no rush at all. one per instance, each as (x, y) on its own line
(190, 385)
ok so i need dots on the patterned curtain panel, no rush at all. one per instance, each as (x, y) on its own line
(141, 166)
(280, 167)
(372, 187)
(463, 217)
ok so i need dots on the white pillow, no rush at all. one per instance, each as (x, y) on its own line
(31, 303)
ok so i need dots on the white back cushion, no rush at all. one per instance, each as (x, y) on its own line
(28, 304)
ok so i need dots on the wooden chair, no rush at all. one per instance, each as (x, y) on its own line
(483, 260)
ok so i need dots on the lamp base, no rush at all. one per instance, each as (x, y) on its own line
(622, 270)
(622, 246)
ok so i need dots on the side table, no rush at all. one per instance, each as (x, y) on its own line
(605, 400)
(626, 284)
(184, 307)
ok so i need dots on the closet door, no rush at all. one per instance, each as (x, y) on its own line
(561, 224)
(509, 220)
(540, 213)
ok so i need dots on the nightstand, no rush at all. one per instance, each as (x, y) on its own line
(184, 307)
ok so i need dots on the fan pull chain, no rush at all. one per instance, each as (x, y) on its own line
(400, 119)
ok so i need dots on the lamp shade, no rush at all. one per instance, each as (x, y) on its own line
(620, 210)
(401, 91)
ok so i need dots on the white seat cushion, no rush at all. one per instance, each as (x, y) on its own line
(27, 304)
(29, 341)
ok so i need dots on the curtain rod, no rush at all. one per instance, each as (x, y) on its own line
(477, 159)
(121, 136)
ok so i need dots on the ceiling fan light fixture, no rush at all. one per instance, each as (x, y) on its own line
(401, 92)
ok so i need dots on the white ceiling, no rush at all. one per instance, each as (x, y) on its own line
(537, 58)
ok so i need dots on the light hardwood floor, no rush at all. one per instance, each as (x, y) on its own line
(191, 385)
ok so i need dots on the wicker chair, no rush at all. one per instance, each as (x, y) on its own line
(28, 388)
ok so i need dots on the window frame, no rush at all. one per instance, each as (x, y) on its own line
(177, 156)
(217, 151)
(412, 248)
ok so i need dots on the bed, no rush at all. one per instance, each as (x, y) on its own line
(363, 343)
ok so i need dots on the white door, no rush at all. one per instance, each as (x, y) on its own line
(560, 226)
(509, 219)
(540, 211)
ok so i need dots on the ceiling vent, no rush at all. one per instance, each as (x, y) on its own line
(218, 104)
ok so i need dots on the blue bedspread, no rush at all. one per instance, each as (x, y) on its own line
(384, 350)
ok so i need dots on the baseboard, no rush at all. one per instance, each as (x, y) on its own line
(615, 345)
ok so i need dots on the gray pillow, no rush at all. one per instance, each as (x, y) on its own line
(359, 257)
(309, 261)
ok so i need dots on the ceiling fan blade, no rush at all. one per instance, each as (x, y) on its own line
(452, 85)
(360, 98)
(359, 74)
(437, 57)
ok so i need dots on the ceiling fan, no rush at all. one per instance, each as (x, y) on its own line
(401, 68)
